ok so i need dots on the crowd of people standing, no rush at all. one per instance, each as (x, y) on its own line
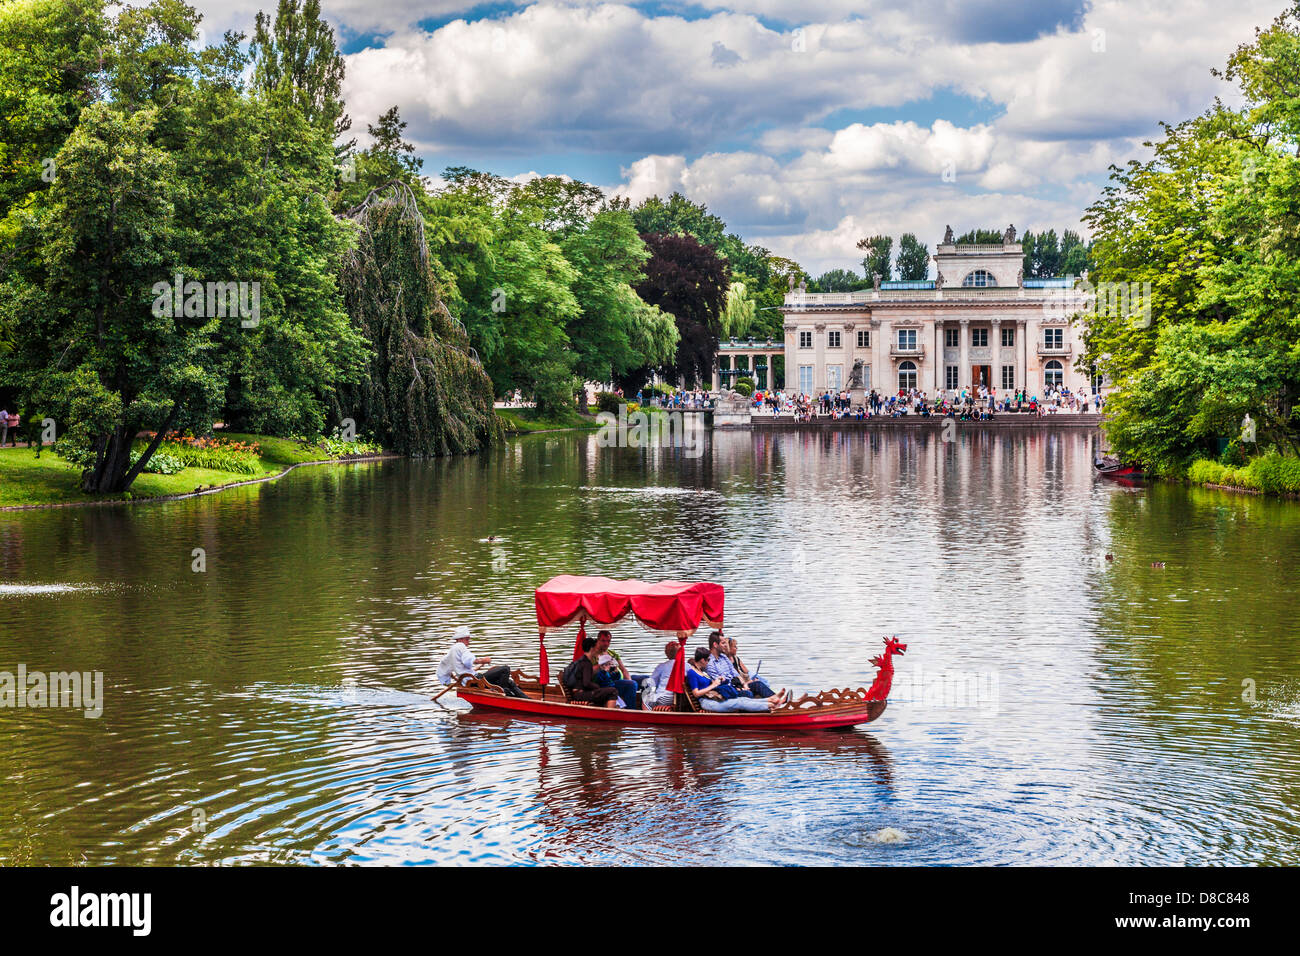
(980, 403)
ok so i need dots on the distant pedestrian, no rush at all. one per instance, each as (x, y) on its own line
(4, 427)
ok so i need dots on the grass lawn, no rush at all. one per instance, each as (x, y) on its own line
(28, 480)
(521, 421)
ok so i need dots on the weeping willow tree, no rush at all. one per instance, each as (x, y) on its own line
(424, 391)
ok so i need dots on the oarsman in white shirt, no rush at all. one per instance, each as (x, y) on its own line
(459, 663)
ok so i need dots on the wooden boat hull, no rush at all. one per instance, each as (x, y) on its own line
(825, 717)
(1124, 472)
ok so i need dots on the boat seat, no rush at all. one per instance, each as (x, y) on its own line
(687, 703)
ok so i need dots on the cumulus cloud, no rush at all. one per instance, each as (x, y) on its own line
(791, 117)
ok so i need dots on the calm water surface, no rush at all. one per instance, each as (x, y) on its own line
(1053, 707)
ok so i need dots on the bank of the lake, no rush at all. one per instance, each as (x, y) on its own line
(29, 481)
(526, 421)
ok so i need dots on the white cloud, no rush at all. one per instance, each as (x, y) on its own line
(734, 108)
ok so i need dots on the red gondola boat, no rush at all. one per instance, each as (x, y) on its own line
(675, 607)
(1110, 467)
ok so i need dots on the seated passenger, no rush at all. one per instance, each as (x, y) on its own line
(720, 668)
(705, 691)
(612, 673)
(580, 678)
(656, 693)
(751, 682)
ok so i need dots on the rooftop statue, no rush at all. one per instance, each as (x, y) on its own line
(947, 235)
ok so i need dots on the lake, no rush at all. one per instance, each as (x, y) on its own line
(1053, 706)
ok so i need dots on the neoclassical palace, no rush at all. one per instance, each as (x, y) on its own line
(978, 322)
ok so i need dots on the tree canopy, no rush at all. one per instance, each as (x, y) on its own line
(1198, 271)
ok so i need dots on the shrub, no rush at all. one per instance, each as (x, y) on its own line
(159, 463)
(1234, 455)
(218, 454)
(1207, 472)
(1275, 474)
(745, 386)
(608, 402)
(336, 447)
(555, 389)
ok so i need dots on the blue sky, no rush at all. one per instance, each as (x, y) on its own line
(806, 124)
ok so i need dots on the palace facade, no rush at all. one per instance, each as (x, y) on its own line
(979, 322)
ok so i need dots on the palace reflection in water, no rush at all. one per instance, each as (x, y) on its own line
(276, 707)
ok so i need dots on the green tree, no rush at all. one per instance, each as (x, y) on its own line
(913, 258)
(1047, 254)
(295, 58)
(688, 280)
(984, 237)
(49, 52)
(836, 280)
(99, 349)
(614, 331)
(1075, 260)
(877, 263)
(1205, 232)
(424, 391)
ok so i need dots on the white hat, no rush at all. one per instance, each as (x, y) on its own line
(460, 633)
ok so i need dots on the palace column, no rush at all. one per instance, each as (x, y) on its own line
(879, 357)
(819, 358)
(995, 353)
(1022, 331)
(938, 356)
(963, 366)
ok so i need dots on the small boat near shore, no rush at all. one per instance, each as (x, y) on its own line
(1108, 466)
(676, 608)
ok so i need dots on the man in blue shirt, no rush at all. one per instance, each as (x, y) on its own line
(706, 691)
(723, 668)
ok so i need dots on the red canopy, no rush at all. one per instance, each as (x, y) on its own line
(666, 606)
(677, 606)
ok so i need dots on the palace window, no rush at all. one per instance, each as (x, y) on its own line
(952, 338)
(950, 377)
(834, 377)
(1008, 337)
(907, 376)
(832, 339)
(1054, 374)
(907, 340)
(979, 279)
(805, 340)
(1008, 378)
(1054, 338)
(864, 338)
(979, 338)
(805, 379)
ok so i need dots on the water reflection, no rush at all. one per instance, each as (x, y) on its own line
(276, 706)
